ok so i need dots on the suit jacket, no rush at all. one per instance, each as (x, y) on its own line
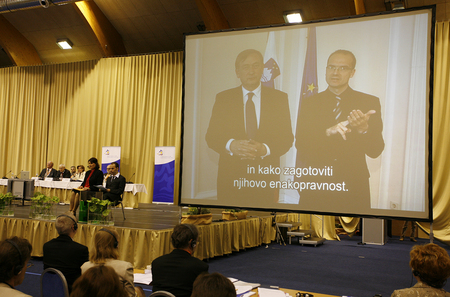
(117, 186)
(347, 158)
(123, 269)
(65, 174)
(66, 255)
(96, 179)
(176, 272)
(53, 173)
(227, 122)
(6, 290)
(420, 289)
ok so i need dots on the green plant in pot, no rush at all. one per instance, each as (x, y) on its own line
(100, 212)
(42, 206)
(6, 209)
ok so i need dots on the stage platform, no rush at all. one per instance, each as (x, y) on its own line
(145, 233)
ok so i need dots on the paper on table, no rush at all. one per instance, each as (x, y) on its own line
(241, 283)
(143, 278)
(263, 292)
(242, 289)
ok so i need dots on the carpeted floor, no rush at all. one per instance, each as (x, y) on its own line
(341, 268)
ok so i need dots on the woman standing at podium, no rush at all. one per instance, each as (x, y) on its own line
(93, 177)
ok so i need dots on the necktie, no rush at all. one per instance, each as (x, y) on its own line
(250, 116)
(337, 110)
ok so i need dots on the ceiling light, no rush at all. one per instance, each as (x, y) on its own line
(293, 16)
(64, 43)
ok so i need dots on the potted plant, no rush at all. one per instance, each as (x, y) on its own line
(99, 212)
(42, 206)
(197, 216)
(234, 214)
(6, 208)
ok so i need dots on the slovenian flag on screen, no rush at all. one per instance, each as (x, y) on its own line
(271, 69)
(309, 79)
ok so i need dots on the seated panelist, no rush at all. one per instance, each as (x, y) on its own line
(92, 178)
(49, 171)
(115, 184)
(63, 172)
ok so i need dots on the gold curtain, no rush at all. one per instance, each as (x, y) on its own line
(66, 113)
(441, 137)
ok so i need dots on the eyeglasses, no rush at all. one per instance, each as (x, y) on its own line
(338, 68)
(254, 66)
(29, 265)
(303, 295)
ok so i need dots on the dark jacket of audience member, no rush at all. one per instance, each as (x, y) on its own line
(98, 281)
(430, 265)
(63, 253)
(177, 271)
(14, 256)
(213, 285)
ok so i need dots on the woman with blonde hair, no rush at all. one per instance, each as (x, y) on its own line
(430, 265)
(105, 252)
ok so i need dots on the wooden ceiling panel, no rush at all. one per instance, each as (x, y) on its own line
(178, 5)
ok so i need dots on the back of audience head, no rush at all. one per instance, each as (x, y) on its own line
(99, 281)
(105, 246)
(213, 285)
(65, 224)
(431, 264)
(184, 236)
(15, 253)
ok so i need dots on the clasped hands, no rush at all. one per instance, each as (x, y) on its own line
(357, 120)
(248, 149)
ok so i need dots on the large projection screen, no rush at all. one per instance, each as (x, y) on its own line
(331, 137)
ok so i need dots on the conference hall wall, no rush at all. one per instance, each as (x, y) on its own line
(394, 63)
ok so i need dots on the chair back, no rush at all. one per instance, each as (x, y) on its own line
(53, 284)
(161, 294)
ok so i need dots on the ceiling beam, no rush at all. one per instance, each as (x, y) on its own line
(17, 47)
(359, 7)
(212, 15)
(109, 40)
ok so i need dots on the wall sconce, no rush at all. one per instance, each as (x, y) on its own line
(64, 43)
(293, 16)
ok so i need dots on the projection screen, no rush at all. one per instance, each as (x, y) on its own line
(319, 134)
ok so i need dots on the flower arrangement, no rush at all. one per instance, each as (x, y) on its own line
(234, 214)
(197, 216)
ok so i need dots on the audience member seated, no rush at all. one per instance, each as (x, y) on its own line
(213, 285)
(63, 172)
(73, 171)
(14, 256)
(99, 281)
(80, 173)
(106, 243)
(430, 265)
(115, 184)
(63, 253)
(49, 171)
(179, 265)
(93, 177)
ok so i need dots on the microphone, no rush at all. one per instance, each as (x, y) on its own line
(130, 182)
(4, 177)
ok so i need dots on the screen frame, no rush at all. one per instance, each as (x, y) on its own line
(428, 199)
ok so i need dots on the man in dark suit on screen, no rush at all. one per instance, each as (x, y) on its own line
(250, 128)
(63, 253)
(115, 184)
(337, 129)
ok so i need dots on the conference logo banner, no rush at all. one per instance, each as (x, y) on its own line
(164, 174)
(110, 154)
